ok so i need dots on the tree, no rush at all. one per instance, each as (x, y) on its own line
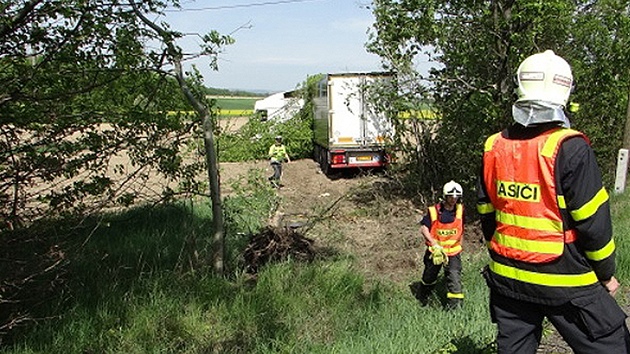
(175, 55)
(89, 113)
(477, 46)
(81, 91)
(598, 50)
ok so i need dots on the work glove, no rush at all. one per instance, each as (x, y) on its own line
(438, 256)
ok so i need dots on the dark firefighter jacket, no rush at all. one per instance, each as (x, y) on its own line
(589, 259)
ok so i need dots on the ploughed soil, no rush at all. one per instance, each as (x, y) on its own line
(366, 215)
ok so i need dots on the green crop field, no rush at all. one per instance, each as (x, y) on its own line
(236, 106)
(236, 102)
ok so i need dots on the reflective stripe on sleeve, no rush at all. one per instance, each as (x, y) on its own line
(485, 208)
(590, 208)
(601, 253)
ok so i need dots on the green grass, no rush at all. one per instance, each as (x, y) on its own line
(619, 207)
(130, 290)
(324, 307)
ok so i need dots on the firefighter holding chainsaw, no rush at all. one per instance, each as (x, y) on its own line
(546, 217)
(442, 228)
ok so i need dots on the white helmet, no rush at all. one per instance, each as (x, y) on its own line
(544, 77)
(453, 188)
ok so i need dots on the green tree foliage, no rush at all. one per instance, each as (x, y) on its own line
(252, 141)
(476, 47)
(86, 107)
(599, 52)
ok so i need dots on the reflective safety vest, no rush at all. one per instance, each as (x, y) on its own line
(520, 180)
(449, 235)
(277, 153)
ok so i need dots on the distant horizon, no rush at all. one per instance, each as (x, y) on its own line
(258, 90)
(242, 90)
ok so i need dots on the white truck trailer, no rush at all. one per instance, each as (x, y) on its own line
(348, 132)
(279, 107)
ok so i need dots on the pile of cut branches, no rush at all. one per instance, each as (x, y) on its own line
(275, 244)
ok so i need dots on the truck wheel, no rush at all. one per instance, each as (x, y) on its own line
(316, 149)
(323, 161)
(319, 155)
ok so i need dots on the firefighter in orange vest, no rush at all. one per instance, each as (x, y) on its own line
(546, 217)
(442, 228)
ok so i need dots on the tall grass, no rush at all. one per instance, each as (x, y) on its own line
(324, 307)
(620, 210)
(130, 291)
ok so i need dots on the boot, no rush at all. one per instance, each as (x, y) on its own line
(425, 292)
(414, 288)
(421, 292)
(453, 304)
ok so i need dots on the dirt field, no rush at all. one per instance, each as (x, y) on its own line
(232, 124)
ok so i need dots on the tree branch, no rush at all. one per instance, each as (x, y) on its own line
(22, 15)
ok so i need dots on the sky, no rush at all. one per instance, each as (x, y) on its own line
(278, 42)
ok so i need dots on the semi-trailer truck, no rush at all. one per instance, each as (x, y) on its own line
(348, 130)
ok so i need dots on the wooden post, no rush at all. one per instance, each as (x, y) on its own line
(622, 170)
